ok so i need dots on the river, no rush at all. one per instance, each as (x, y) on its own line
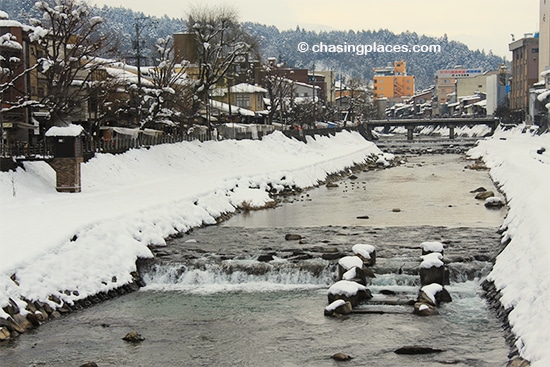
(210, 302)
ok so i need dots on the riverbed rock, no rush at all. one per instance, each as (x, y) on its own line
(331, 184)
(346, 290)
(293, 237)
(433, 270)
(341, 357)
(4, 333)
(133, 337)
(265, 258)
(433, 294)
(355, 274)
(89, 364)
(346, 263)
(429, 247)
(338, 307)
(484, 195)
(494, 202)
(365, 252)
(479, 189)
(424, 309)
(416, 349)
(439, 275)
(518, 362)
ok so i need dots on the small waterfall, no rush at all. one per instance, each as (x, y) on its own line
(239, 276)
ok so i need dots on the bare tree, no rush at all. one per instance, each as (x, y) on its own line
(280, 91)
(12, 74)
(219, 41)
(172, 92)
(69, 41)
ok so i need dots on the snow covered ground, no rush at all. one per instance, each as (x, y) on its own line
(89, 242)
(522, 170)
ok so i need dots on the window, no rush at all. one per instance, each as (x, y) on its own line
(259, 101)
(242, 100)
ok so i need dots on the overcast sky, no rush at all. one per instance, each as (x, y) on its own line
(480, 24)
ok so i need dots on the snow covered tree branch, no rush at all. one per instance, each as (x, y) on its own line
(69, 41)
(220, 39)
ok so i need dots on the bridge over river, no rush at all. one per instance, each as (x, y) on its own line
(411, 124)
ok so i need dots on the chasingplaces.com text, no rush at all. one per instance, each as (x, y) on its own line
(365, 49)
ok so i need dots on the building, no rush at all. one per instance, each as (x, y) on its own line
(446, 82)
(16, 122)
(472, 85)
(544, 35)
(525, 73)
(239, 103)
(392, 82)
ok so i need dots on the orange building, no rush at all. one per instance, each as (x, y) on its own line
(393, 81)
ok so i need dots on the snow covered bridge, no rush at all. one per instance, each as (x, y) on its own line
(411, 124)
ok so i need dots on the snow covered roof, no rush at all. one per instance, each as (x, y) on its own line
(300, 84)
(5, 21)
(247, 88)
(234, 109)
(126, 73)
(70, 130)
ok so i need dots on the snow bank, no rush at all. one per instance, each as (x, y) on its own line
(75, 245)
(521, 271)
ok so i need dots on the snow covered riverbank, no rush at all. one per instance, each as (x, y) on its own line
(72, 246)
(89, 242)
(520, 165)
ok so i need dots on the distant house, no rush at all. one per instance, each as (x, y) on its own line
(248, 96)
(306, 92)
(242, 102)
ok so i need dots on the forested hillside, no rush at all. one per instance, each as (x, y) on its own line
(283, 44)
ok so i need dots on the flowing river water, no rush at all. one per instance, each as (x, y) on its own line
(239, 294)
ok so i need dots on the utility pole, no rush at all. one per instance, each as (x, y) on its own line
(137, 46)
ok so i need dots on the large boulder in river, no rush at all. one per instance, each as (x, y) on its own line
(365, 252)
(346, 290)
(429, 247)
(433, 270)
(433, 294)
(338, 307)
(348, 262)
(355, 274)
